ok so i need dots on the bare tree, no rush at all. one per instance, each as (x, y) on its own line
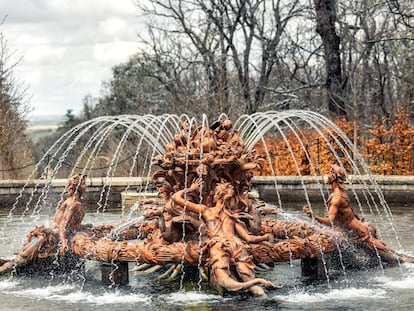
(232, 46)
(238, 56)
(130, 90)
(376, 57)
(15, 152)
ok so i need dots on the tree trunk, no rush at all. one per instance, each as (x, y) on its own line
(325, 27)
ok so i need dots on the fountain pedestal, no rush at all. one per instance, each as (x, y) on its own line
(115, 273)
(313, 268)
(69, 265)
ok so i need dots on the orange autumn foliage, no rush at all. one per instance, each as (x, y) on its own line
(387, 150)
(304, 152)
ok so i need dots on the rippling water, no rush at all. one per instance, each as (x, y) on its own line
(374, 289)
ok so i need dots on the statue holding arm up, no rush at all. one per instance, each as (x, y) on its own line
(341, 214)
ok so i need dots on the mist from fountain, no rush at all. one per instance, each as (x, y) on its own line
(255, 127)
(150, 135)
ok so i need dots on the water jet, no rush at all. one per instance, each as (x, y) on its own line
(209, 221)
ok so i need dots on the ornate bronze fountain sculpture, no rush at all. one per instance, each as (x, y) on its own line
(208, 220)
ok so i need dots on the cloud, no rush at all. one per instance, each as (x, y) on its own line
(40, 11)
(68, 47)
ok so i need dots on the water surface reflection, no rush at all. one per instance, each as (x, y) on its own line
(373, 289)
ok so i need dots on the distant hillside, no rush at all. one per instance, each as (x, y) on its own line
(45, 120)
(43, 125)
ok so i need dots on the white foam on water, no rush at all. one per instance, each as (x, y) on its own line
(8, 284)
(44, 292)
(401, 284)
(303, 296)
(69, 293)
(404, 282)
(193, 297)
(104, 299)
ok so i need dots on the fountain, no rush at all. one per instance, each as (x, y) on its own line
(209, 221)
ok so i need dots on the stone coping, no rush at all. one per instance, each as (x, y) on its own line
(380, 179)
(133, 181)
(90, 182)
(394, 188)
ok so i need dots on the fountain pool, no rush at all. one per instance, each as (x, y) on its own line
(373, 289)
(204, 172)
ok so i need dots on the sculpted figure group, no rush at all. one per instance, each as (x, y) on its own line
(208, 219)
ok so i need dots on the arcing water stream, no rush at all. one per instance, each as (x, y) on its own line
(141, 138)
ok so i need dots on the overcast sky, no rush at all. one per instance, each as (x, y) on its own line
(68, 47)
